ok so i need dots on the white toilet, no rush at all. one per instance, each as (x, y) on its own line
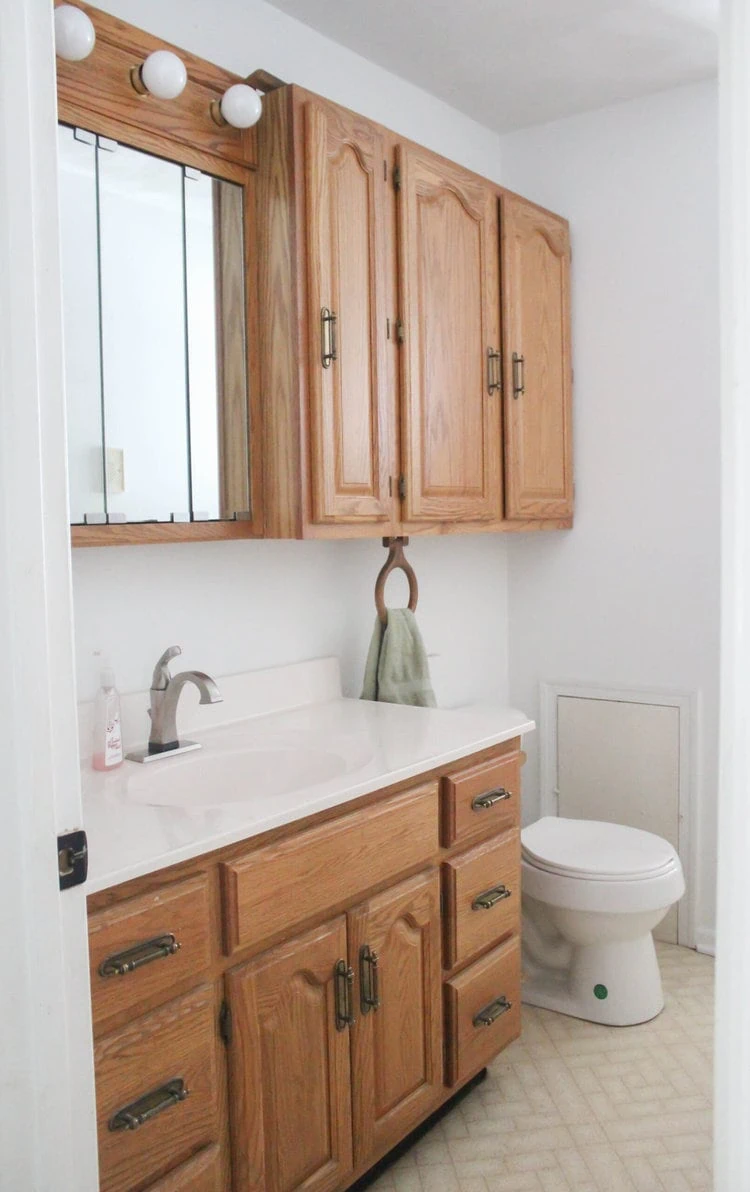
(592, 894)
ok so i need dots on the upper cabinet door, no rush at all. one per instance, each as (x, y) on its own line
(346, 249)
(450, 307)
(538, 378)
(397, 1044)
(289, 1067)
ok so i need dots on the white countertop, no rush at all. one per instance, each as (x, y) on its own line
(347, 748)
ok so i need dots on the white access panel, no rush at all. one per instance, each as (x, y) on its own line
(619, 762)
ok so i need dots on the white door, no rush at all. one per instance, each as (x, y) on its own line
(47, 1123)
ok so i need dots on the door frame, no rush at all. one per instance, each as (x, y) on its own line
(47, 1114)
(688, 706)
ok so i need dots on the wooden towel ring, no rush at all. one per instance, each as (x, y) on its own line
(395, 561)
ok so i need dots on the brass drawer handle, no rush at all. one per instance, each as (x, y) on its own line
(491, 1013)
(490, 798)
(328, 347)
(369, 978)
(343, 977)
(490, 898)
(134, 958)
(133, 1116)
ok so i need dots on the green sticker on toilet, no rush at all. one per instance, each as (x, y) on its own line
(601, 992)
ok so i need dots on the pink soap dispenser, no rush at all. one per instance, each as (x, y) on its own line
(107, 731)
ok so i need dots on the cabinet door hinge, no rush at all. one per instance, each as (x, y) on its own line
(72, 859)
(402, 487)
(397, 177)
(225, 1023)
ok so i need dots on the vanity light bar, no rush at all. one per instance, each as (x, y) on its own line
(162, 73)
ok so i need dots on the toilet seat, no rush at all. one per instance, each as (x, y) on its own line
(591, 866)
(590, 850)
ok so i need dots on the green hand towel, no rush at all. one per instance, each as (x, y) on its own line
(397, 671)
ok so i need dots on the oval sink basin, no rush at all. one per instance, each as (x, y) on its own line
(217, 779)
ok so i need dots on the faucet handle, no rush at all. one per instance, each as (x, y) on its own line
(161, 677)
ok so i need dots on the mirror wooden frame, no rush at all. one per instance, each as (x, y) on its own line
(97, 94)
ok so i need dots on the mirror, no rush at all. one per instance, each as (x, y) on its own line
(155, 336)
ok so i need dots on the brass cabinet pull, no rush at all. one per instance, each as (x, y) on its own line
(328, 347)
(133, 958)
(132, 1116)
(491, 1013)
(343, 977)
(369, 979)
(490, 898)
(490, 798)
(494, 371)
(519, 375)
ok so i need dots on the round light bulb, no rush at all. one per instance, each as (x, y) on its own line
(241, 106)
(74, 33)
(163, 74)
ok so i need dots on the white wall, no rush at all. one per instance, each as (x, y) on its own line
(238, 606)
(629, 597)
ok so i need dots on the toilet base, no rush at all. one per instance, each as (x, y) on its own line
(616, 984)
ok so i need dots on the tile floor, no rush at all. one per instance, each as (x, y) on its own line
(574, 1107)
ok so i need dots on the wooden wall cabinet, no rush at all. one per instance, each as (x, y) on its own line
(292, 1053)
(387, 339)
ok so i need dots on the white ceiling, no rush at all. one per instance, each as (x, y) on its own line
(511, 63)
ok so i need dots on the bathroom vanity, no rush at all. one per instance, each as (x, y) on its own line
(317, 970)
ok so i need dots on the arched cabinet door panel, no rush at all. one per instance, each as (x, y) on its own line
(290, 1079)
(450, 304)
(397, 1044)
(538, 375)
(345, 208)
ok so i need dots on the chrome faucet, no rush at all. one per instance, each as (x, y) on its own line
(165, 695)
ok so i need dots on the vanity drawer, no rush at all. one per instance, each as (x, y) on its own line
(132, 961)
(203, 1173)
(482, 891)
(272, 890)
(482, 800)
(165, 1066)
(483, 1010)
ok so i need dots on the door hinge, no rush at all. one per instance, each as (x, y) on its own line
(402, 487)
(397, 177)
(225, 1023)
(72, 858)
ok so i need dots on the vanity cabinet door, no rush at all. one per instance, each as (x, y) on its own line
(538, 377)
(290, 1076)
(450, 304)
(350, 418)
(397, 1042)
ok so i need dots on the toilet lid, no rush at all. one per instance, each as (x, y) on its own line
(588, 848)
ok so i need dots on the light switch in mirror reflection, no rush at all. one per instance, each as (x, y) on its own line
(155, 341)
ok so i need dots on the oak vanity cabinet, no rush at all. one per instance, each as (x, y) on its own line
(538, 371)
(280, 1014)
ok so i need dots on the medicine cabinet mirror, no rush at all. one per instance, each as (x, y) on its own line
(155, 336)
